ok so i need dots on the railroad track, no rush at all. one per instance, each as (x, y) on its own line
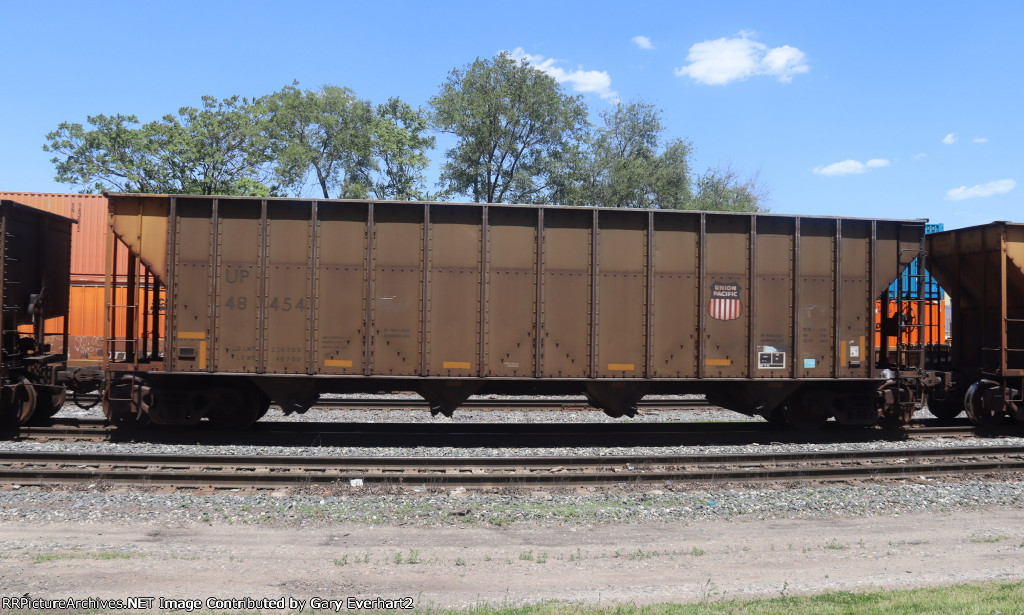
(269, 472)
(416, 403)
(500, 435)
(481, 434)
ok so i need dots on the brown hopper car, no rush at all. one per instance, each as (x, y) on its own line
(285, 299)
(87, 304)
(35, 256)
(982, 269)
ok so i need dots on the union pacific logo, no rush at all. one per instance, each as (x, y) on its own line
(725, 301)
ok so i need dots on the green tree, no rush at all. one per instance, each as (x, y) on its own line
(325, 134)
(399, 146)
(115, 154)
(215, 149)
(724, 190)
(629, 166)
(344, 145)
(518, 135)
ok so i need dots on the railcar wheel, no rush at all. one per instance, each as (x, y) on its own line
(126, 402)
(777, 417)
(806, 411)
(983, 408)
(234, 408)
(264, 404)
(946, 408)
(49, 401)
(895, 409)
(17, 403)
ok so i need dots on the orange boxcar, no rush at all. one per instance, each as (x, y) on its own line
(934, 330)
(85, 328)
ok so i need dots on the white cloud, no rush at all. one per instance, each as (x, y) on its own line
(850, 167)
(1001, 186)
(642, 42)
(725, 60)
(979, 140)
(586, 81)
(949, 139)
(920, 156)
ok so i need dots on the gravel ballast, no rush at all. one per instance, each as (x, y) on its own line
(422, 507)
(458, 548)
(425, 505)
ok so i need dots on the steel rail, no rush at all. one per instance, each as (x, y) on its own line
(271, 471)
(553, 403)
(504, 404)
(323, 434)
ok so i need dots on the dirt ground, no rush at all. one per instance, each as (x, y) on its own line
(440, 566)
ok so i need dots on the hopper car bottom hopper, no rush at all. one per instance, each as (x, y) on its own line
(234, 402)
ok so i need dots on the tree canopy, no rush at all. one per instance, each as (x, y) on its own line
(399, 147)
(725, 190)
(518, 135)
(630, 164)
(323, 134)
(216, 149)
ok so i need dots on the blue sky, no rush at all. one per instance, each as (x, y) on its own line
(874, 109)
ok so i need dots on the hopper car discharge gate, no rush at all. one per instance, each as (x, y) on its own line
(233, 303)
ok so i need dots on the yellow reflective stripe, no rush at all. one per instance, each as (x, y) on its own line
(191, 335)
(718, 362)
(202, 355)
(337, 363)
(455, 365)
(621, 366)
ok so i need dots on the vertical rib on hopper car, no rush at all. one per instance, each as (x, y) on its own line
(285, 299)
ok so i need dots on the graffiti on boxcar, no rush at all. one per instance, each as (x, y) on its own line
(86, 346)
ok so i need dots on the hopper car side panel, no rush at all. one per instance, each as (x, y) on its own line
(727, 314)
(286, 304)
(340, 301)
(515, 298)
(511, 297)
(396, 290)
(675, 297)
(621, 303)
(453, 310)
(237, 336)
(773, 297)
(189, 302)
